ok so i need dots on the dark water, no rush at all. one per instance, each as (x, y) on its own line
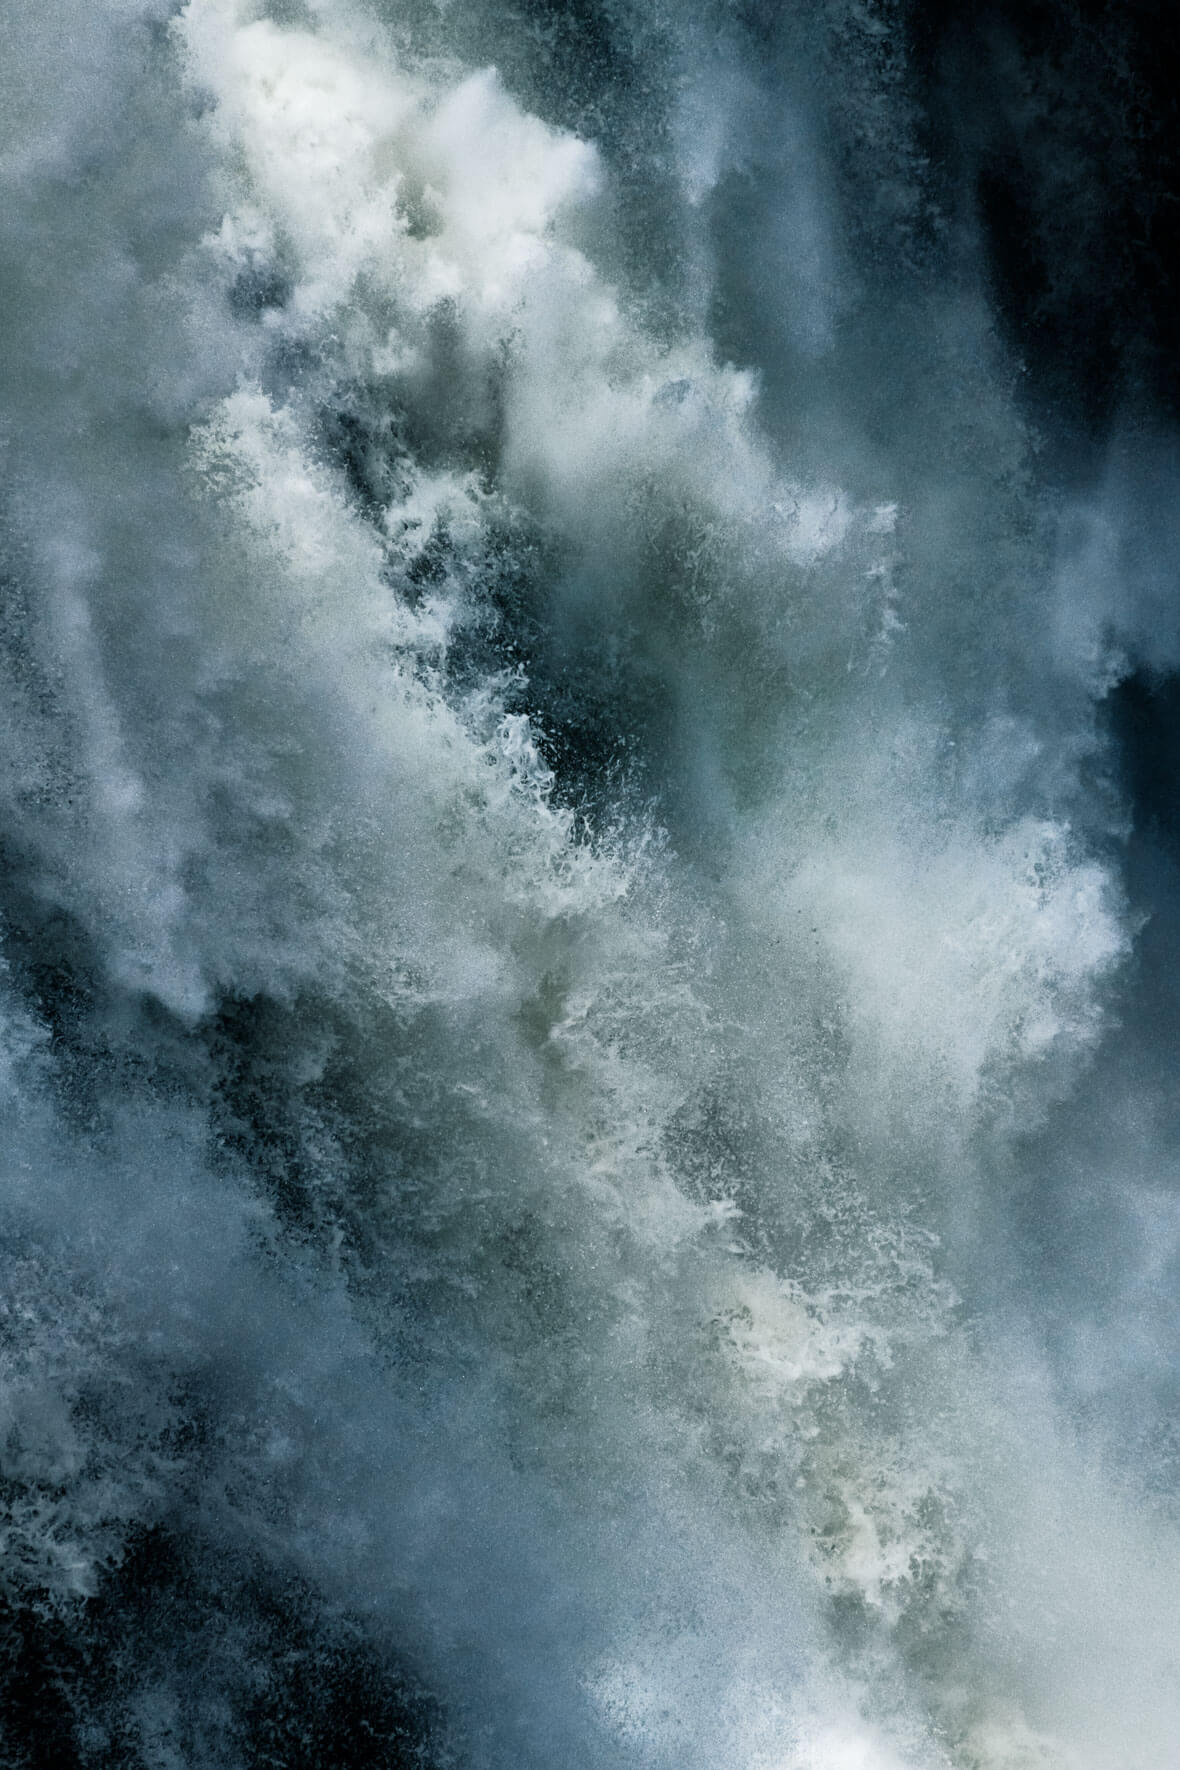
(589, 886)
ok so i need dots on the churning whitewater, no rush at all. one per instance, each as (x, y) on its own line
(587, 1173)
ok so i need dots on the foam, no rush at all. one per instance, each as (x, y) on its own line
(553, 1214)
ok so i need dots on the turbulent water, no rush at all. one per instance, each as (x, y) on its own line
(589, 882)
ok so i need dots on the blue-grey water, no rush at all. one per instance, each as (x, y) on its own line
(589, 886)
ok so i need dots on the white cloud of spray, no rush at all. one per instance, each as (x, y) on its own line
(589, 1330)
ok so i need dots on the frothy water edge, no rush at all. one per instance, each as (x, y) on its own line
(559, 883)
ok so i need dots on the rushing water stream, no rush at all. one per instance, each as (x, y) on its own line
(589, 884)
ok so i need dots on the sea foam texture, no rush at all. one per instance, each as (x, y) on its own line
(534, 1201)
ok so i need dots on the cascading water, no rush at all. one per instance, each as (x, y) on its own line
(587, 868)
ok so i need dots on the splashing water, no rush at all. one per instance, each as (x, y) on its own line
(570, 913)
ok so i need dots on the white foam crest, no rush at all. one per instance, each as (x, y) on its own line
(369, 169)
(956, 948)
(314, 614)
(453, 195)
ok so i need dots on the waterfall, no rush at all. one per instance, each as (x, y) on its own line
(588, 869)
